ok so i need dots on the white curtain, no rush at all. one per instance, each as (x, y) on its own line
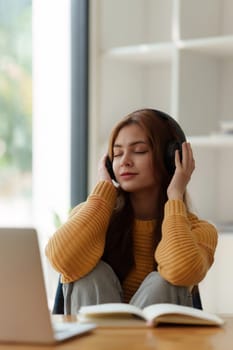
(51, 121)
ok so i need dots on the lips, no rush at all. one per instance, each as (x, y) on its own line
(127, 175)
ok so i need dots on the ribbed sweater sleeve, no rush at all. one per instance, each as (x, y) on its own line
(186, 250)
(76, 247)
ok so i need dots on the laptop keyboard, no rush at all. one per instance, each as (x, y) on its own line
(60, 327)
(72, 328)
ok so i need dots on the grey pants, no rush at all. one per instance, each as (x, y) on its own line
(101, 285)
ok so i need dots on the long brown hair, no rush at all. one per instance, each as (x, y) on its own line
(160, 132)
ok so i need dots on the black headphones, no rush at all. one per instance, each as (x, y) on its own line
(173, 145)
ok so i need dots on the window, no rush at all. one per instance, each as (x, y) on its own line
(36, 91)
(15, 112)
(51, 121)
(35, 117)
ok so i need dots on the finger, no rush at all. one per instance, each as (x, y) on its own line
(102, 162)
(185, 154)
(177, 158)
(188, 160)
(103, 159)
(104, 156)
(191, 157)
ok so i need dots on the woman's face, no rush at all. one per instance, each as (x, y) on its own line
(132, 160)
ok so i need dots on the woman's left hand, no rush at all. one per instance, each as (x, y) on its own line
(103, 173)
(183, 172)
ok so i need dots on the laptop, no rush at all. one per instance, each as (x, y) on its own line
(24, 313)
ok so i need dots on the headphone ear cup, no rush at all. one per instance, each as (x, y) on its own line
(170, 156)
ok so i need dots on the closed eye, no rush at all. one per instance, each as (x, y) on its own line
(140, 152)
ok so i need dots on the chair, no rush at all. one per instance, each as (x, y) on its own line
(196, 298)
(58, 306)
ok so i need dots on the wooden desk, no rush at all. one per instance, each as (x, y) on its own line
(160, 338)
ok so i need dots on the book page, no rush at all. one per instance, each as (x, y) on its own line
(172, 313)
(153, 314)
(110, 309)
(124, 321)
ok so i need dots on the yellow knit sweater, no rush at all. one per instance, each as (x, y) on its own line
(184, 254)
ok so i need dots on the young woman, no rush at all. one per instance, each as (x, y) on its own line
(134, 239)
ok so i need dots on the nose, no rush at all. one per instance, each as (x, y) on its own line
(126, 160)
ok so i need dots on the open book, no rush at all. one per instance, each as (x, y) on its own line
(153, 314)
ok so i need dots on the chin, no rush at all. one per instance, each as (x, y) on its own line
(128, 188)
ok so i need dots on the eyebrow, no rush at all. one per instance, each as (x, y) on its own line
(131, 144)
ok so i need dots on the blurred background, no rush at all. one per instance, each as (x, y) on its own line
(70, 69)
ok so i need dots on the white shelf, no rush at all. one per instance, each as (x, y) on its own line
(146, 53)
(220, 46)
(212, 141)
(163, 52)
(162, 57)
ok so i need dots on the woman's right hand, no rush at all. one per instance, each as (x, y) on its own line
(103, 174)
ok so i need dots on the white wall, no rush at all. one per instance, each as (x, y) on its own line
(217, 288)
